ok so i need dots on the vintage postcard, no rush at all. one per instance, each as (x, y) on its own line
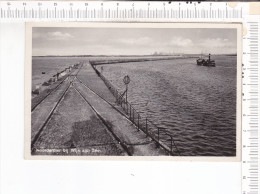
(133, 91)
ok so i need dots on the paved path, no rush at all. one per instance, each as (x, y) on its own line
(83, 119)
(135, 140)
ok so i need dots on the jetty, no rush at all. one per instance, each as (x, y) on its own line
(81, 113)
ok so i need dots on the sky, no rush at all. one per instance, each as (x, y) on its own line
(130, 41)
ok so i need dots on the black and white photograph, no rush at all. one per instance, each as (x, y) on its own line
(146, 89)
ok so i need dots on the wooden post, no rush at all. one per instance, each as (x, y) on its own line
(134, 116)
(126, 92)
(146, 127)
(171, 143)
(138, 121)
(158, 144)
(130, 112)
(158, 135)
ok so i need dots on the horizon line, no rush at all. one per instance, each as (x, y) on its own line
(126, 55)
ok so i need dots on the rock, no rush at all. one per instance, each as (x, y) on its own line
(36, 91)
(46, 84)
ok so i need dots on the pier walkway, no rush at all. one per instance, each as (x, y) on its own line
(80, 117)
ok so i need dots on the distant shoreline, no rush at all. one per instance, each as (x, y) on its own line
(177, 55)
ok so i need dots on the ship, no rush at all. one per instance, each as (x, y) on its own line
(206, 62)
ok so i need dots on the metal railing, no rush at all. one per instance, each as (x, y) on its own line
(160, 136)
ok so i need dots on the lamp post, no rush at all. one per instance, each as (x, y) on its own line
(126, 82)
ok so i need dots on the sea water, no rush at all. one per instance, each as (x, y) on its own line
(196, 104)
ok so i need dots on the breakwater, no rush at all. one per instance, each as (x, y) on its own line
(159, 135)
(141, 59)
(73, 119)
(195, 105)
(46, 88)
(56, 77)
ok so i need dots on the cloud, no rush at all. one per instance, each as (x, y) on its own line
(216, 42)
(180, 42)
(58, 36)
(134, 41)
(162, 44)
